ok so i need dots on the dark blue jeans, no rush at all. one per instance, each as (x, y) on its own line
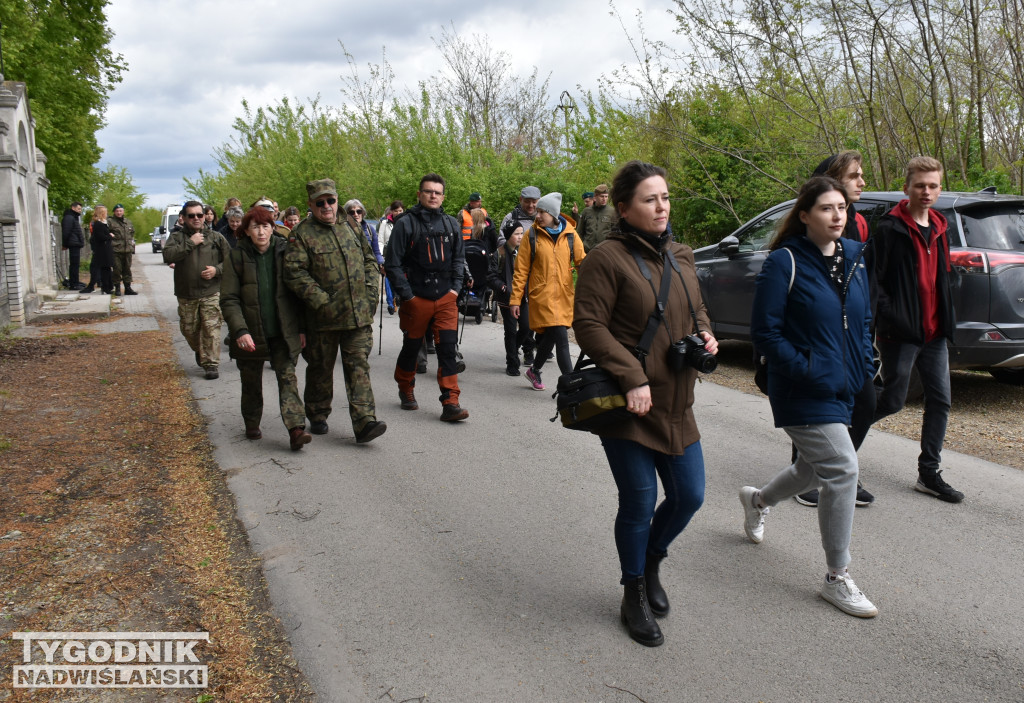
(639, 527)
(932, 362)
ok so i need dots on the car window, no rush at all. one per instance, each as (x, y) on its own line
(871, 210)
(759, 235)
(996, 226)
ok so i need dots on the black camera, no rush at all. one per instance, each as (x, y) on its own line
(690, 351)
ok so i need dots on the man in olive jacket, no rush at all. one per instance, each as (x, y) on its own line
(123, 232)
(198, 255)
(333, 270)
(596, 221)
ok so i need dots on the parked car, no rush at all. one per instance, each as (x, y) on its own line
(158, 237)
(986, 235)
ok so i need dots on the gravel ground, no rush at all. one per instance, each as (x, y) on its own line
(985, 420)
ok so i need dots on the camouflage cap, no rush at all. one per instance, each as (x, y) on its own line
(325, 186)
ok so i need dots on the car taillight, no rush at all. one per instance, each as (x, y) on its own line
(969, 260)
(998, 259)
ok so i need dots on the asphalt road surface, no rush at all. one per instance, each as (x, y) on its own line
(475, 562)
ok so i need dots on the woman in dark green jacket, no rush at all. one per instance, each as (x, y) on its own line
(265, 323)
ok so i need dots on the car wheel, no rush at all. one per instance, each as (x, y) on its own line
(1014, 377)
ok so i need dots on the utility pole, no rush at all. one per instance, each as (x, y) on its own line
(566, 104)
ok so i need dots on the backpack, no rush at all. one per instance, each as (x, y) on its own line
(760, 361)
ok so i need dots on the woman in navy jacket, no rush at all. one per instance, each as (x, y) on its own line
(811, 320)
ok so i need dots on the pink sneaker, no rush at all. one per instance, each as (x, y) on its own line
(533, 378)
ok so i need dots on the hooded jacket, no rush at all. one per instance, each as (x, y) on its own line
(72, 235)
(900, 258)
(613, 304)
(240, 301)
(550, 287)
(426, 255)
(818, 349)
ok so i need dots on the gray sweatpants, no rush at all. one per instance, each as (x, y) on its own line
(827, 461)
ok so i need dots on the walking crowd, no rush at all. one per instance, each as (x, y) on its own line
(828, 294)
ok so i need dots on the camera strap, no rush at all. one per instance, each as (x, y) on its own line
(657, 317)
(689, 302)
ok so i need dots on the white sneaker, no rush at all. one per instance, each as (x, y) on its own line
(844, 594)
(753, 517)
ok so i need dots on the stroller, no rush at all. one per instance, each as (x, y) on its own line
(476, 298)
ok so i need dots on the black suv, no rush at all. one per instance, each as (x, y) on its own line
(986, 236)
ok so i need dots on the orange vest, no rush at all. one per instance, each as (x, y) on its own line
(467, 223)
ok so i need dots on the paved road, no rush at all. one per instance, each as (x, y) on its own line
(476, 562)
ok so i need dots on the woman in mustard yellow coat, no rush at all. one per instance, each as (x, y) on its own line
(544, 277)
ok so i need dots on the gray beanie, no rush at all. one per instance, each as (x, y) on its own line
(551, 204)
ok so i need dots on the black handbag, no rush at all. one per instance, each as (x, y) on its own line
(589, 398)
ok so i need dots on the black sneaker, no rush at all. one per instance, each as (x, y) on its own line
(528, 358)
(318, 426)
(864, 498)
(810, 498)
(932, 484)
(512, 371)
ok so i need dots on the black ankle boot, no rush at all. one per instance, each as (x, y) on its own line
(637, 615)
(117, 290)
(656, 595)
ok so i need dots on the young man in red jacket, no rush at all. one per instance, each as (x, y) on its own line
(914, 314)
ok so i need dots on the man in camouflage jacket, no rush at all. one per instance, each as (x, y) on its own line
(123, 232)
(332, 269)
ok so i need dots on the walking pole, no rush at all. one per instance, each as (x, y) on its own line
(380, 334)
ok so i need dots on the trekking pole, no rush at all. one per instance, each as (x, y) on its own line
(380, 334)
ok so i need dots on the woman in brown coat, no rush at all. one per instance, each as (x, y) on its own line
(614, 302)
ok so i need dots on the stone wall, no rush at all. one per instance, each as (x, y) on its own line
(26, 250)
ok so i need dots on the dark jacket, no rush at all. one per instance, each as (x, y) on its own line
(72, 235)
(123, 232)
(240, 302)
(191, 259)
(595, 224)
(370, 232)
(899, 310)
(613, 303)
(499, 277)
(333, 271)
(426, 256)
(816, 364)
(102, 244)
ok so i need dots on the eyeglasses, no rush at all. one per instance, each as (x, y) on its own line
(355, 212)
(433, 192)
(325, 201)
(195, 215)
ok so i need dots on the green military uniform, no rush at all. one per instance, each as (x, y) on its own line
(594, 225)
(198, 298)
(123, 232)
(255, 301)
(333, 270)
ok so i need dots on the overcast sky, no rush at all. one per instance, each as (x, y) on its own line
(191, 62)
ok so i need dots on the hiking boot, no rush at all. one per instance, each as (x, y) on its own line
(637, 616)
(533, 378)
(318, 426)
(408, 400)
(253, 431)
(421, 367)
(297, 437)
(753, 517)
(512, 371)
(371, 431)
(453, 413)
(460, 363)
(528, 357)
(128, 290)
(844, 594)
(212, 373)
(117, 290)
(932, 484)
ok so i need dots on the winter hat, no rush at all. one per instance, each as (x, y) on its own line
(551, 204)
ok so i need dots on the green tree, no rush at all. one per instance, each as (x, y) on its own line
(60, 50)
(114, 186)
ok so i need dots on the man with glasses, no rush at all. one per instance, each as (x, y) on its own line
(332, 269)
(198, 255)
(426, 264)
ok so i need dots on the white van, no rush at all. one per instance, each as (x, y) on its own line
(167, 220)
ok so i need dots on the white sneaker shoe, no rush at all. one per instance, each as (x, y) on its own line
(753, 517)
(844, 594)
